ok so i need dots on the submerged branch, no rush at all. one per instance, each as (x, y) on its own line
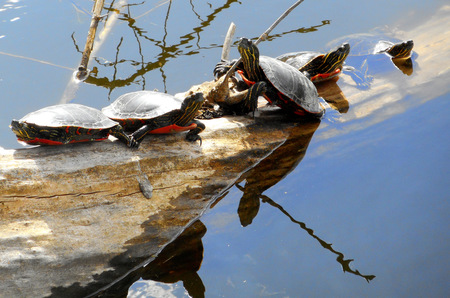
(96, 17)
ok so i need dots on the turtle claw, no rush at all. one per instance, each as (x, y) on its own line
(194, 138)
(222, 67)
(133, 143)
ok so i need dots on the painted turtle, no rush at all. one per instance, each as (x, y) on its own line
(318, 66)
(285, 85)
(157, 113)
(364, 59)
(67, 123)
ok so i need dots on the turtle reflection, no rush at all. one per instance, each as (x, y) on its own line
(178, 261)
(265, 175)
(333, 95)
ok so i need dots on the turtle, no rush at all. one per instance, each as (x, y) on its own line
(285, 85)
(366, 56)
(318, 66)
(155, 112)
(68, 123)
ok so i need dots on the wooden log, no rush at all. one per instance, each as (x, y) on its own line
(68, 211)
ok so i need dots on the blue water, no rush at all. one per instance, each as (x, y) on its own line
(378, 201)
(374, 183)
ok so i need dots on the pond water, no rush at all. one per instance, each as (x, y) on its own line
(355, 208)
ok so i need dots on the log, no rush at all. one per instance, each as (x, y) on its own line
(70, 212)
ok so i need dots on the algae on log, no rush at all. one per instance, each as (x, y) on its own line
(68, 212)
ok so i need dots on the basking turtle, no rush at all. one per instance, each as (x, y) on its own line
(67, 123)
(157, 113)
(285, 85)
(365, 59)
(318, 66)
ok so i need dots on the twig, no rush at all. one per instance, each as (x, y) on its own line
(265, 34)
(96, 17)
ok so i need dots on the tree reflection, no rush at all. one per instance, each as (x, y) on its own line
(168, 51)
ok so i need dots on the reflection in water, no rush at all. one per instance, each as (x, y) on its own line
(344, 263)
(365, 69)
(272, 170)
(404, 65)
(181, 259)
(178, 261)
(265, 175)
(332, 94)
(168, 51)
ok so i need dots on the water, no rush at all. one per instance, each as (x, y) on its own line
(372, 181)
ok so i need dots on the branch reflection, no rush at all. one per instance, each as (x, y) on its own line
(340, 256)
(167, 51)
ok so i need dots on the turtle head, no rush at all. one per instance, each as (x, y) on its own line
(337, 57)
(192, 103)
(23, 131)
(250, 58)
(401, 49)
(247, 47)
(343, 51)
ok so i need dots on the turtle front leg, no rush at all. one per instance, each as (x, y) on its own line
(119, 133)
(222, 67)
(249, 102)
(192, 135)
(139, 134)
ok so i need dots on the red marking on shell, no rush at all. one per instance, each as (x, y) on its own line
(38, 141)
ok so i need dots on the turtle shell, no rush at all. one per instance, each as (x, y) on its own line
(292, 83)
(141, 105)
(319, 66)
(299, 59)
(71, 114)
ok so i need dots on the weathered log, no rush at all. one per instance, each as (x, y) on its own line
(68, 212)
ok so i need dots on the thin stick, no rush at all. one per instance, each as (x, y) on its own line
(227, 42)
(265, 34)
(96, 17)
